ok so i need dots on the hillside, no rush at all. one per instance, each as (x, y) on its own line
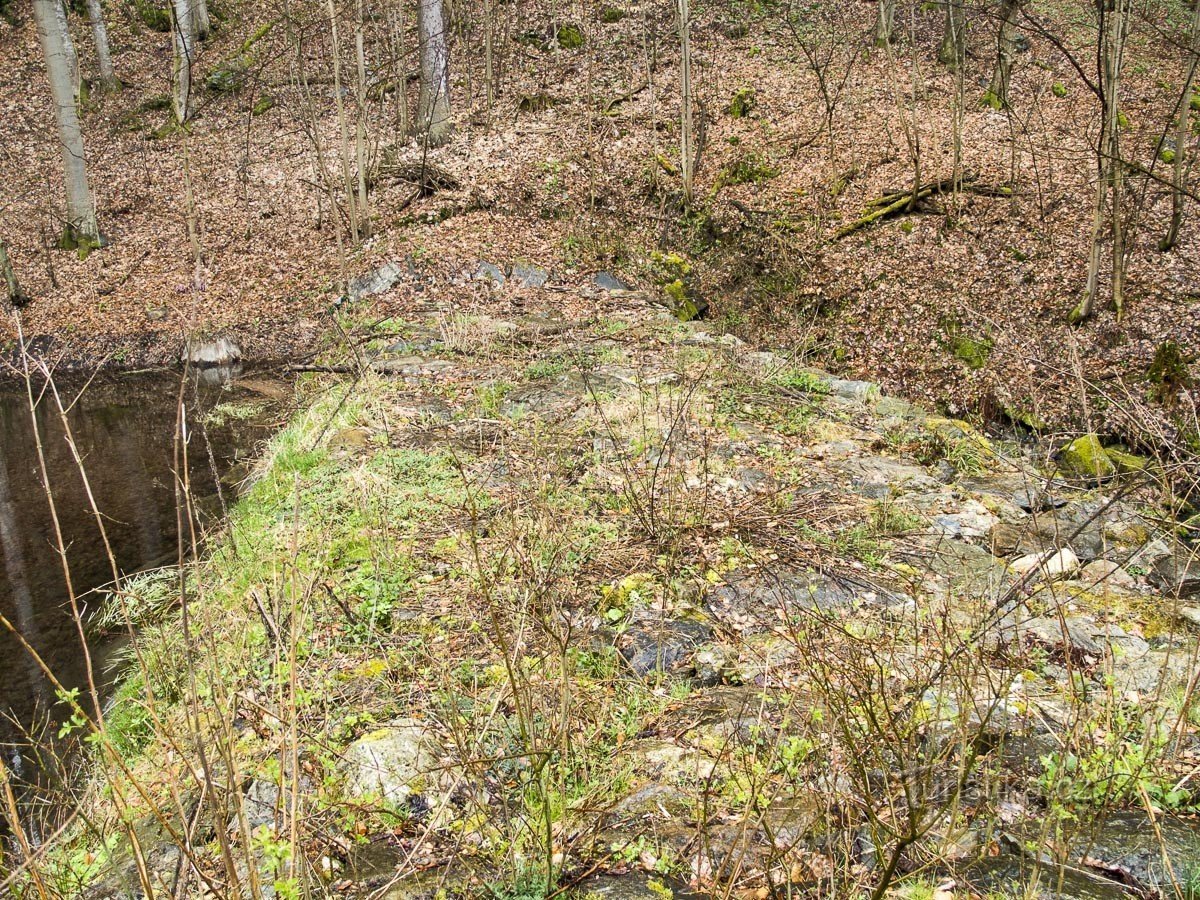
(575, 168)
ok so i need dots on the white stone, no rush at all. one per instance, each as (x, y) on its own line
(1057, 565)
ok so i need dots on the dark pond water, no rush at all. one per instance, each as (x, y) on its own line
(124, 430)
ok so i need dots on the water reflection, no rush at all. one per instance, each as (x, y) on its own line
(124, 431)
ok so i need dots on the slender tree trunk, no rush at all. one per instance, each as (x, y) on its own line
(687, 152)
(1110, 178)
(1006, 51)
(489, 64)
(343, 125)
(108, 77)
(396, 27)
(201, 21)
(14, 297)
(885, 22)
(953, 48)
(433, 107)
(81, 231)
(185, 51)
(193, 220)
(1182, 121)
(360, 143)
(1114, 59)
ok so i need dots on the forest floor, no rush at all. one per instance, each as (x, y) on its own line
(575, 169)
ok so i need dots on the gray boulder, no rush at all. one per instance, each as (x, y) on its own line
(382, 279)
(392, 763)
(490, 273)
(1177, 574)
(609, 282)
(524, 275)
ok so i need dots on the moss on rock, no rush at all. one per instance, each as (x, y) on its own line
(751, 168)
(1085, 457)
(676, 276)
(229, 76)
(1024, 416)
(743, 102)
(153, 16)
(570, 37)
(974, 351)
(1126, 463)
(264, 104)
(1168, 373)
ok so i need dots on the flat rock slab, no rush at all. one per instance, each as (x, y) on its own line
(411, 366)
(879, 477)
(972, 522)
(965, 567)
(650, 647)
(563, 393)
(751, 602)
(1091, 528)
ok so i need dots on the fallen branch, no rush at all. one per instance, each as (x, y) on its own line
(120, 282)
(893, 208)
(628, 95)
(941, 187)
(429, 178)
(907, 201)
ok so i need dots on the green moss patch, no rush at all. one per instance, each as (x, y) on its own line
(1168, 373)
(749, 169)
(1084, 457)
(570, 37)
(743, 103)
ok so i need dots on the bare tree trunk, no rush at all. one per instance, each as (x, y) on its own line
(400, 72)
(72, 58)
(108, 77)
(953, 48)
(1182, 117)
(201, 21)
(1114, 58)
(489, 53)
(686, 125)
(14, 297)
(81, 231)
(885, 22)
(185, 50)
(360, 143)
(343, 126)
(1111, 44)
(433, 107)
(193, 220)
(1006, 50)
